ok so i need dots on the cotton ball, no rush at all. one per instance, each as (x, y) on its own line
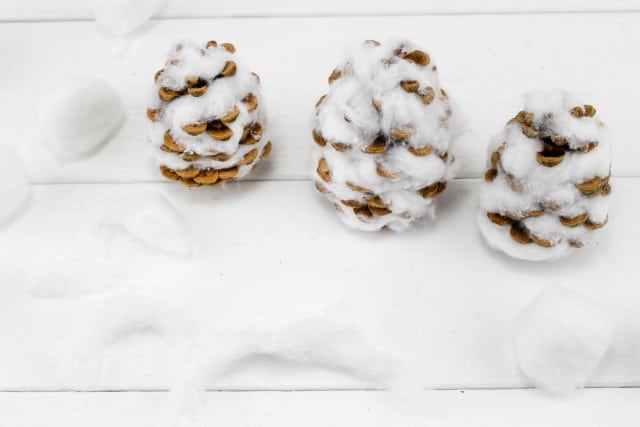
(382, 137)
(14, 184)
(79, 115)
(208, 120)
(122, 17)
(546, 189)
(154, 222)
(561, 338)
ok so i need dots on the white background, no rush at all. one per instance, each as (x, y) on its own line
(270, 251)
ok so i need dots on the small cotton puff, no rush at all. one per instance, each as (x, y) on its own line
(382, 136)
(79, 115)
(14, 184)
(561, 338)
(546, 189)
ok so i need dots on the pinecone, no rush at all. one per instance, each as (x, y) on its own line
(382, 135)
(547, 179)
(208, 121)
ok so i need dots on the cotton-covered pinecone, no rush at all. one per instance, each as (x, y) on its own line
(382, 136)
(547, 180)
(209, 124)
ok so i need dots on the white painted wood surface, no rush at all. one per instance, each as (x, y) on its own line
(479, 408)
(81, 9)
(485, 69)
(436, 297)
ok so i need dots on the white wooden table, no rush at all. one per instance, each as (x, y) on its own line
(79, 349)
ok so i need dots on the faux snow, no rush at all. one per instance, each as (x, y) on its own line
(155, 223)
(382, 136)
(134, 235)
(208, 116)
(122, 17)
(547, 180)
(315, 341)
(14, 184)
(561, 338)
(79, 115)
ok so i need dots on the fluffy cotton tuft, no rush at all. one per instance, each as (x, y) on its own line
(319, 341)
(382, 136)
(561, 338)
(122, 17)
(14, 183)
(208, 117)
(79, 115)
(155, 223)
(547, 180)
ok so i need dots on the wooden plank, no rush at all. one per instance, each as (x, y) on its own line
(78, 9)
(499, 408)
(112, 315)
(485, 67)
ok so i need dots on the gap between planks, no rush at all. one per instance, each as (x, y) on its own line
(348, 14)
(303, 389)
(250, 180)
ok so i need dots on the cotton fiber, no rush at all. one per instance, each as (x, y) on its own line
(79, 115)
(382, 136)
(561, 338)
(208, 117)
(546, 189)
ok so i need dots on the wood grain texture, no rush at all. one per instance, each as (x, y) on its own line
(79, 9)
(486, 68)
(271, 253)
(499, 408)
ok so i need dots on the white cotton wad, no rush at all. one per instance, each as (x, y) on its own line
(122, 17)
(382, 136)
(318, 341)
(208, 120)
(546, 188)
(79, 115)
(561, 338)
(14, 184)
(153, 222)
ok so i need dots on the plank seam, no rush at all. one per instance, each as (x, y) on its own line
(303, 390)
(252, 180)
(45, 20)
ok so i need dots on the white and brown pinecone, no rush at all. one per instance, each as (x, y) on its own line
(382, 136)
(547, 179)
(208, 120)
